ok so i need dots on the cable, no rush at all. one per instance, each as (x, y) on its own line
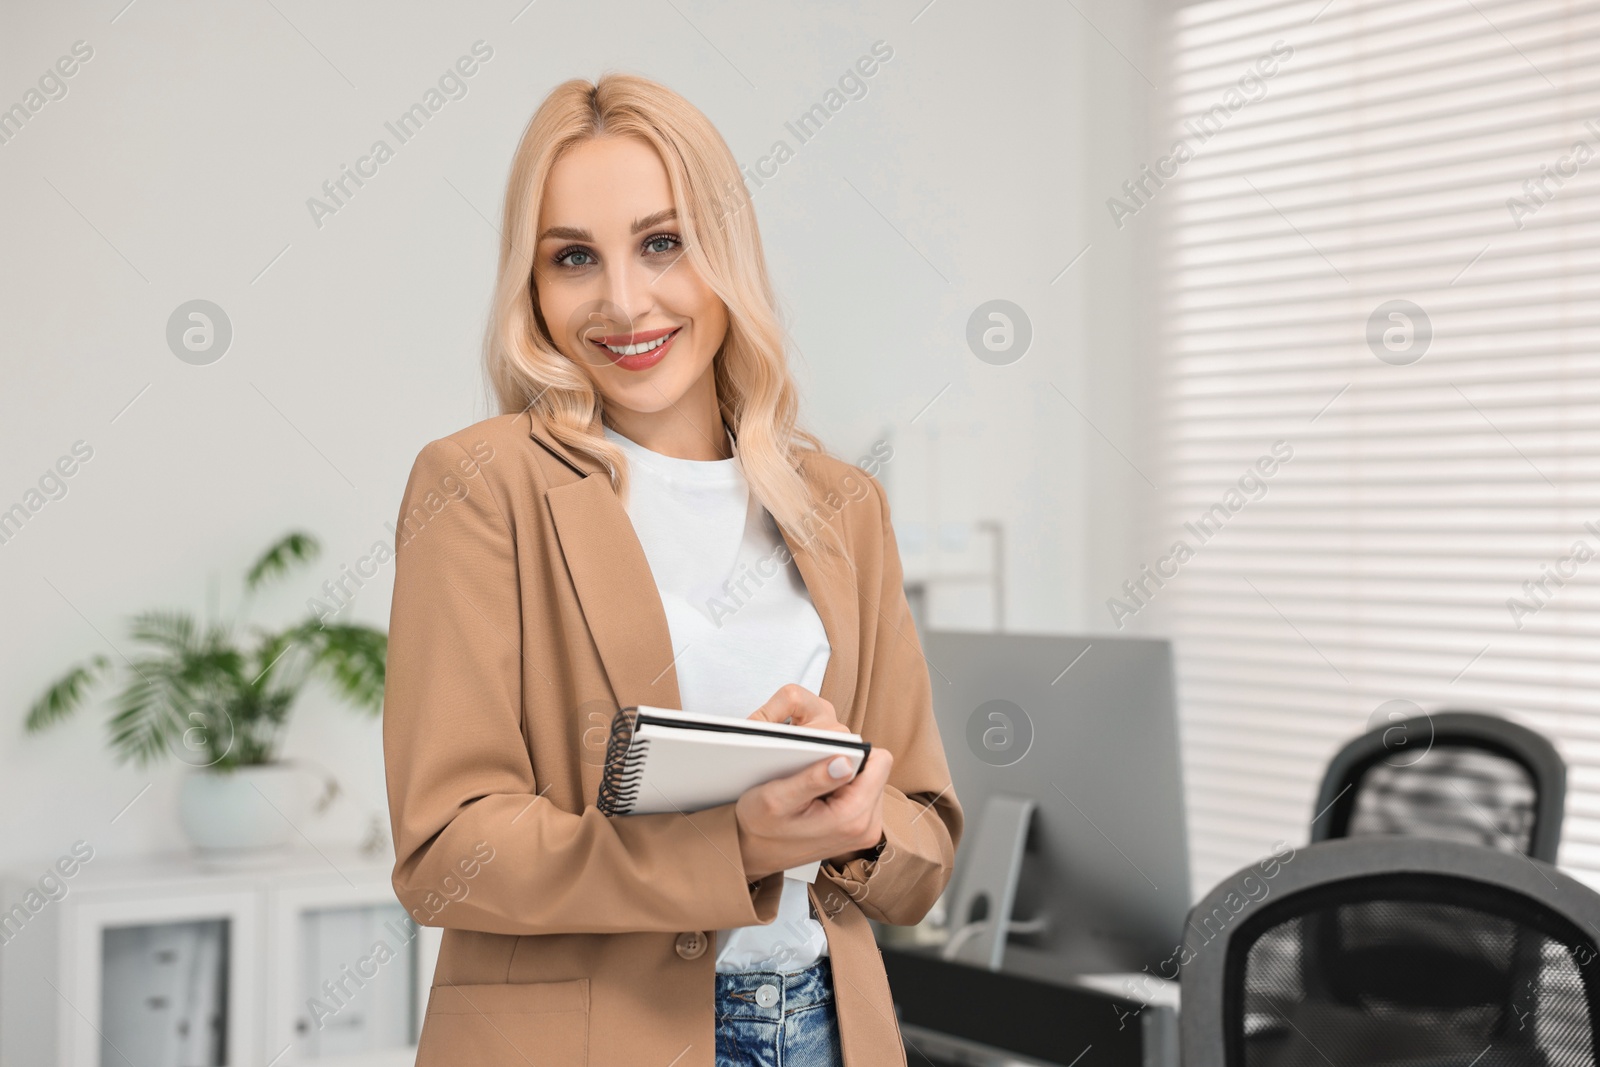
(953, 947)
(1036, 925)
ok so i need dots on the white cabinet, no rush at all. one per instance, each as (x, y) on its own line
(301, 958)
(346, 986)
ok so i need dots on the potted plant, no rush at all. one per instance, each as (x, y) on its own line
(217, 697)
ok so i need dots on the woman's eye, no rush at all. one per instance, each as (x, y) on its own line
(565, 258)
(661, 243)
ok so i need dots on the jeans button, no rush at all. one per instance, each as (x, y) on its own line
(767, 996)
(691, 945)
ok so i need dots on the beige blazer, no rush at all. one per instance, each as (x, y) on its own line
(524, 613)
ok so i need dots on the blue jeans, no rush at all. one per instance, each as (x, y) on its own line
(778, 1018)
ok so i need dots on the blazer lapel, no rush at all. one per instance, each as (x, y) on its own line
(617, 591)
(831, 582)
(613, 581)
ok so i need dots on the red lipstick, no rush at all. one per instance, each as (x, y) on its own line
(637, 360)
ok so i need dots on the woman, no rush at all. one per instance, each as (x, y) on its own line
(645, 524)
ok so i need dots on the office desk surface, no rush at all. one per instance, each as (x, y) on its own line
(1042, 1020)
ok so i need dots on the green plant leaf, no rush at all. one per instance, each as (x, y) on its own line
(150, 711)
(65, 696)
(295, 548)
(353, 659)
(174, 631)
(282, 660)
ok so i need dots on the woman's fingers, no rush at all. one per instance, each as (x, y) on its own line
(781, 823)
(866, 787)
(822, 779)
(799, 706)
(791, 703)
(793, 793)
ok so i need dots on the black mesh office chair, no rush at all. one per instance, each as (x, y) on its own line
(1384, 951)
(1453, 775)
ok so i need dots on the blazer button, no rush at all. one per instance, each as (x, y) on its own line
(692, 944)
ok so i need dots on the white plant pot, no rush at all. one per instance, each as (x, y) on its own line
(244, 812)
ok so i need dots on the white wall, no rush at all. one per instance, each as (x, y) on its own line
(178, 166)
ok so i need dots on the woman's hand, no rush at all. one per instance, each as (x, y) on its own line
(809, 815)
(799, 706)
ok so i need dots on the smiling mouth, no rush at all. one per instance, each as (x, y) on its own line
(635, 344)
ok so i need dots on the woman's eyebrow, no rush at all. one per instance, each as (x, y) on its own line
(577, 233)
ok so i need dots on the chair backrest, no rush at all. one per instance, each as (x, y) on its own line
(1393, 950)
(1453, 775)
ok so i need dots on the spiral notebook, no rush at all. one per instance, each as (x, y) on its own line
(661, 760)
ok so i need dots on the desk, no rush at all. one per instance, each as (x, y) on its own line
(1037, 1022)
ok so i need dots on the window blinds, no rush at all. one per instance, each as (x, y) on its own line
(1381, 465)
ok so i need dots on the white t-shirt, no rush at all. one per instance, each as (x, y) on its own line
(742, 626)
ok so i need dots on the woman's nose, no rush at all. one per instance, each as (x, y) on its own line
(628, 291)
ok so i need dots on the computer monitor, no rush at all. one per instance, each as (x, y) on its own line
(1085, 729)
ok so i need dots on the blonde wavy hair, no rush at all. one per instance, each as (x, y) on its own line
(755, 390)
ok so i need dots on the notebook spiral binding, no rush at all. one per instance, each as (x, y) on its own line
(619, 785)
